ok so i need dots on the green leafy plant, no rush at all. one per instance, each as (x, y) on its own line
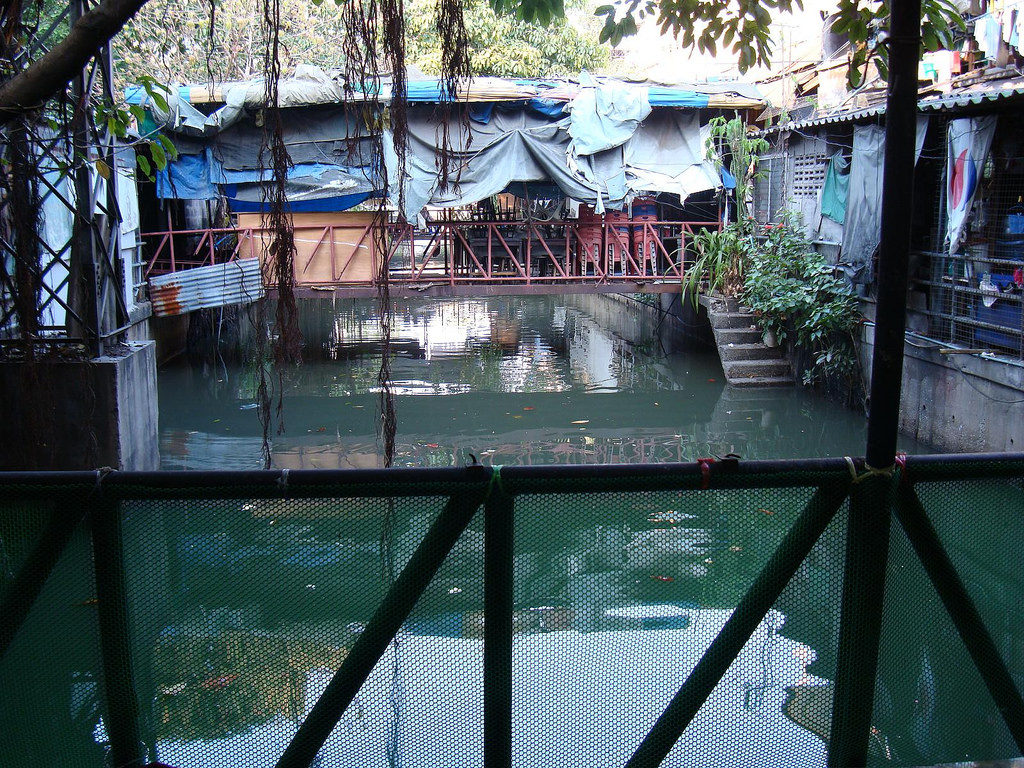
(730, 137)
(797, 296)
(720, 263)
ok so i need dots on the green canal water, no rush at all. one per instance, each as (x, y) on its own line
(539, 380)
(240, 610)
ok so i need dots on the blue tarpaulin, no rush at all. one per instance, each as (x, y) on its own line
(327, 204)
(664, 96)
(187, 178)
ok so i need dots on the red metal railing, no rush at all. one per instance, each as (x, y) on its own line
(453, 252)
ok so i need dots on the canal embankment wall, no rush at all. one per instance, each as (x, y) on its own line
(955, 402)
(81, 414)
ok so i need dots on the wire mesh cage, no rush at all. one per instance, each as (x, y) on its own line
(680, 615)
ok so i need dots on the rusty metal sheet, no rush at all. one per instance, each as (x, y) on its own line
(219, 285)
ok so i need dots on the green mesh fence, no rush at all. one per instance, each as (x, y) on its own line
(712, 592)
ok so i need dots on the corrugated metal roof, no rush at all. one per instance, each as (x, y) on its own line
(995, 90)
(220, 285)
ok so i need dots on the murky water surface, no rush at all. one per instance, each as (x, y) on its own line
(548, 380)
(242, 610)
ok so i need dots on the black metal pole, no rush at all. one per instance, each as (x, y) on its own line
(83, 290)
(122, 704)
(498, 601)
(961, 609)
(868, 534)
(763, 593)
(22, 592)
(386, 621)
(893, 248)
(860, 621)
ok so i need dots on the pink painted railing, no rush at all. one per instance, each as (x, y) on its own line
(453, 252)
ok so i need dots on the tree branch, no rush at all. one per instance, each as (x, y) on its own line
(46, 77)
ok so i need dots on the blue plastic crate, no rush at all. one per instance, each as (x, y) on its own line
(1003, 313)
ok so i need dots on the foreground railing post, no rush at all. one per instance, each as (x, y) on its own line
(962, 611)
(867, 539)
(750, 611)
(374, 640)
(860, 622)
(498, 601)
(122, 704)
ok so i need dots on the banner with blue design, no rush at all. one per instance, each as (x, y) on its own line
(967, 144)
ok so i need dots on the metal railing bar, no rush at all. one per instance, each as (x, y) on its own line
(122, 703)
(961, 608)
(422, 481)
(749, 613)
(499, 516)
(964, 466)
(23, 590)
(860, 622)
(380, 630)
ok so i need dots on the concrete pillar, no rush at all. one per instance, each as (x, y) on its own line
(75, 414)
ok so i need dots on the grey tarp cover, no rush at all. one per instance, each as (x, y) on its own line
(322, 135)
(330, 183)
(308, 86)
(519, 146)
(666, 154)
(862, 228)
(606, 116)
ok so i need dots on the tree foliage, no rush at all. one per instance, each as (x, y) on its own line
(171, 40)
(504, 45)
(743, 27)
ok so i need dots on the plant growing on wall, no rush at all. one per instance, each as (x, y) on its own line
(797, 296)
(730, 137)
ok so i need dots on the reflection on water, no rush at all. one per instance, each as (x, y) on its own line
(546, 380)
(241, 609)
(613, 609)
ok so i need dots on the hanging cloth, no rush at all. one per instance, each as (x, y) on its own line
(836, 188)
(968, 141)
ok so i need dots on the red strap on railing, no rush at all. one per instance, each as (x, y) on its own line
(901, 462)
(705, 472)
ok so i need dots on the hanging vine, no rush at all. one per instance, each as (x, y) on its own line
(456, 68)
(279, 237)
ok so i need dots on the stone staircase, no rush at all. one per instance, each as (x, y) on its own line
(746, 360)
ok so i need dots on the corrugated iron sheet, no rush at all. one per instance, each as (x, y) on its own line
(995, 90)
(220, 285)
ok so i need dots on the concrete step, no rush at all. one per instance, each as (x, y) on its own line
(727, 336)
(732, 320)
(732, 351)
(763, 381)
(744, 369)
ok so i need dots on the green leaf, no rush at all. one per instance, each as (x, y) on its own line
(168, 145)
(144, 166)
(160, 101)
(159, 156)
(602, 10)
(628, 26)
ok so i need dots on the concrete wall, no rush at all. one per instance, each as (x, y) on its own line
(73, 414)
(957, 403)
